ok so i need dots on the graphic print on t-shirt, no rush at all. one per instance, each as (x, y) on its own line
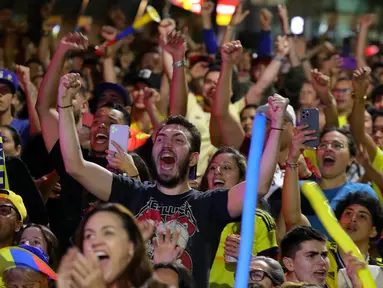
(179, 219)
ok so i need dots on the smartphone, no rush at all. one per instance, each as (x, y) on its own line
(310, 117)
(193, 173)
(120, 135)
(348, 63)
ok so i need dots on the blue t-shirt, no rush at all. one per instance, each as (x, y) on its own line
(333, 196)
(22, 126)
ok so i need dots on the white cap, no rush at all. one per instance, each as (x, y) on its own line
(290, 113)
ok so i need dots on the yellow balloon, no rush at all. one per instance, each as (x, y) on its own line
(324, 211)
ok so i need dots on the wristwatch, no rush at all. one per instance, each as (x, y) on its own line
(280, 58)
(179, 63)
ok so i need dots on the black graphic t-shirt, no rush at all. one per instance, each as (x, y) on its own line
(199, 217)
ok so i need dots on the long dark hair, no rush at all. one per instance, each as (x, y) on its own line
(139, 270)
(49, 238)
(240, 160)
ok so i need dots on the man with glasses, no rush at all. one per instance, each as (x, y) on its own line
(12, 215)
(265, 272)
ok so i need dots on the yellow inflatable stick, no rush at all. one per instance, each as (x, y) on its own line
(324, 211)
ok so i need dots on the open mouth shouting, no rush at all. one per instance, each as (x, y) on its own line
(218, 183)
(167, 160)
(328, 161)
(103, 257)
(101, 138)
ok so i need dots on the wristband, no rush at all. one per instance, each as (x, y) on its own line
(64, 107)
(292, 165)
(179, 63)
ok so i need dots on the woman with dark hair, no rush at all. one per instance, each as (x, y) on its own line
(111, 246)
(40, 236)
(175, 275)
(226, 169)
(11, 141)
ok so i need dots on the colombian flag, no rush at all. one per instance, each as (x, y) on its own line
(14, 257)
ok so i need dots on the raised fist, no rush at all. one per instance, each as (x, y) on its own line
(231, 52)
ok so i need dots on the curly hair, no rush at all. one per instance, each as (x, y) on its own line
(364, 199)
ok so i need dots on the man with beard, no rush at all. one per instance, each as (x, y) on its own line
(198, 218)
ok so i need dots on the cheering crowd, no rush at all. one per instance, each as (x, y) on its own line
(78, 210)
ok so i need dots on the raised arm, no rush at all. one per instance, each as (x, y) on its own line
(151, 97)
(277, 110)
(165, 27)
(109, 33)
(360, 83)
(47, 96)
(291, 198)
(236, 19)
(224, 128)
(209, 36)
(372, 174)
(43, 51)
(321, 85)
(94, 178)
(31, 97)
(254, 95)
(365, 23)
(175, 44)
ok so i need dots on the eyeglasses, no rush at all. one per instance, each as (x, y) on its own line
(257, 275)
(334, 145)
(6, 210)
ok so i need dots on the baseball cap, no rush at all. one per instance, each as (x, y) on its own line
(25, 257)
(290, 113)
(102, 87)
(146, 76)
(9, 78)
(16, 200)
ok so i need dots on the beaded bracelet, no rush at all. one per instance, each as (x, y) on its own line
(292, 165)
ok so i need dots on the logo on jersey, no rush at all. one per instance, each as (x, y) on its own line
(176, 218)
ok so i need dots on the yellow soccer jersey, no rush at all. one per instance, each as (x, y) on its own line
(222, 274)
(336, 263)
